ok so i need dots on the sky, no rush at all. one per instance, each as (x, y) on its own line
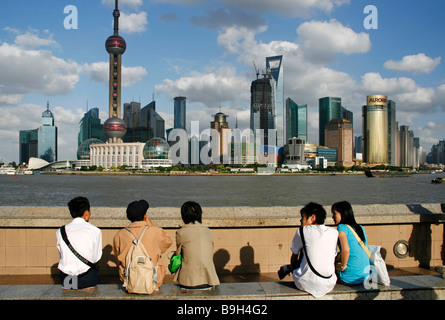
(54, 51)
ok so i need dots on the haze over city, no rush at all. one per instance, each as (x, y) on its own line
(206, 50)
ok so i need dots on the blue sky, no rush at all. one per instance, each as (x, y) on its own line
(204, 50)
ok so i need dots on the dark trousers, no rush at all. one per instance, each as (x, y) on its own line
(85, 280)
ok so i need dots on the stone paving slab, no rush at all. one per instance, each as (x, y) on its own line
(419, 287)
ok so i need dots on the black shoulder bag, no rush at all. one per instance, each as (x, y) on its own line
(65, 238)
(307, 257)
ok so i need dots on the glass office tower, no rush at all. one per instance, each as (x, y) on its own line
(47, 137)
(179, 113)
(275, 65)
(296, 120)
(90, 127)
(329, 108)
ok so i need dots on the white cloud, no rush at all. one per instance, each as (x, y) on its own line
(294, 8)
(320, 40)
(210, 89)
(419, 63)
(25, 71)
(133, 22)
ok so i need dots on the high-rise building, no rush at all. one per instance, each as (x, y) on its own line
(375, 130)
(221, 125)
(114, 126)
(296, 120)
(151, 120)
(179, 113)
(392, 133)
(40, 143)
(275, 65)
(338, 135)
(28, 145)
(329, 108)
(90, 127)
(262, 111)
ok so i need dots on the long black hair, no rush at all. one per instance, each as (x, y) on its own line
(347, 216)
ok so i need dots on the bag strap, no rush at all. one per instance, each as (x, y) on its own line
(307, 257)
(360, 241)
(138, 239)
(65, 238)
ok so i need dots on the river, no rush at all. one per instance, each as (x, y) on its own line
(218, 191)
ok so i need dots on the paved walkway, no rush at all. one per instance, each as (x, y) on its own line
(413, 287)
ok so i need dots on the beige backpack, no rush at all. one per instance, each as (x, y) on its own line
(140, 275)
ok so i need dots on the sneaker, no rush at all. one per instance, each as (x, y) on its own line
(284, 271)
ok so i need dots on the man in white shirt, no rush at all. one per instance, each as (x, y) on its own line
(79, 270)
(321, 247)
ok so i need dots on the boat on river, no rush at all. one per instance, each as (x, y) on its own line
(386, 174)
(438, 181)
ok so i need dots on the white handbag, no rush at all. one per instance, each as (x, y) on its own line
(373, 252)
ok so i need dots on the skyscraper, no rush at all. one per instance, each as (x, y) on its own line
(41, 142)
(179, 113)
(151, 120)
(296, 120)
(375, 130)
(262, 111)
(90, 126)
(392, 133)
(114, 127)
(329, 109)
(275, 65)
(338, 135)
(221, 125)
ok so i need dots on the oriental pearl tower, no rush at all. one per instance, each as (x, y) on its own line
(115, 128)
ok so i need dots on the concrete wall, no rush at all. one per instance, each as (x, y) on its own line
(246, 239)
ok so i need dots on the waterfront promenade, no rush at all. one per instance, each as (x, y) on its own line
(249, 242)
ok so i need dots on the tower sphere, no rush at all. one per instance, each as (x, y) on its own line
(115, 44)
(115, 128)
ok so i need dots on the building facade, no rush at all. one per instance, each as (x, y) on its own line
(275, 65)
(338, 135)
(221, 125)
(90, 127)
(375, 130)
(179, 113)
(328, 108)
(39, 143)
(262, 111)
(296, 120)
(113, 155)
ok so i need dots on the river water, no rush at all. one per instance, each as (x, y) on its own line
(218, 191)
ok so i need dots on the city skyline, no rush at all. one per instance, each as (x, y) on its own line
(326, 48)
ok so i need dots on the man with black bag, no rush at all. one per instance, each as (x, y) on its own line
(80, 248)
(314, 248)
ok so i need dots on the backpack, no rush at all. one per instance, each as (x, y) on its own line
(140, 275)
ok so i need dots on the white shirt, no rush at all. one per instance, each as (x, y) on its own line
(86, 239)
(321, 246)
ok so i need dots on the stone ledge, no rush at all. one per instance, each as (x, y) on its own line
(419, 287)
(222, 217)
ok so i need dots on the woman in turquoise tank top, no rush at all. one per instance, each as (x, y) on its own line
(352, 266)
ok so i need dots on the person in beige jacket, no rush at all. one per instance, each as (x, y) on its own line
(195, 242)
(155, 240)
